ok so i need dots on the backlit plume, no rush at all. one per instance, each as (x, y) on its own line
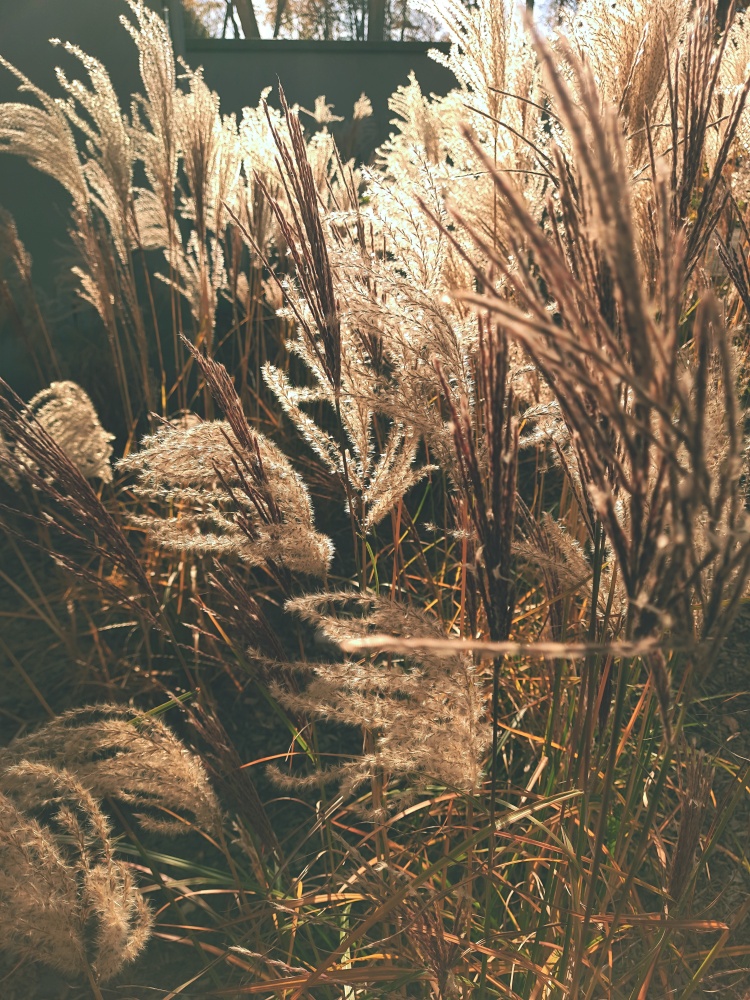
(65, 895)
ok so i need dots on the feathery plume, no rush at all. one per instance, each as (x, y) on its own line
(323, 112)
(362, 108)
(305, 238)
(38, 458)
(232, 497)
(115, 753)
(426, 712)
(64, 896)
(67, 414)
(7, 471)
(486, 471)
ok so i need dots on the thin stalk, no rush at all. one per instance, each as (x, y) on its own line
(609, 778)
(93, 983)
(496, 664)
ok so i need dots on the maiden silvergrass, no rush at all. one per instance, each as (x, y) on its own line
(509, 375)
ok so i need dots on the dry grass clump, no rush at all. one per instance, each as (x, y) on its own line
(200, 169)
(655, 426)
(512, 352)
(65, 896)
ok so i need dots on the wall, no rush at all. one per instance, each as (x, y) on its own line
(240, 70)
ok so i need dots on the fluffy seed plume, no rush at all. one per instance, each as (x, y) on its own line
(65, 898)
(66, 412)
(112, 752)
(425, 712)
(229, 497)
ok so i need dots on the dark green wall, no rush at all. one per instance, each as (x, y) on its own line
(240, 70)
